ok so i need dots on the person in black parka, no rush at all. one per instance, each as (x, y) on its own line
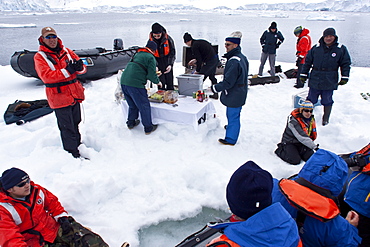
(322, 64)
(270, 40)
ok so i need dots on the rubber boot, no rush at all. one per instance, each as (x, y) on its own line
(325, 117)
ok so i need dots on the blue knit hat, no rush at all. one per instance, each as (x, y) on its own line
(12, 177)
(151, 45)
(235, 37)
(249, 190)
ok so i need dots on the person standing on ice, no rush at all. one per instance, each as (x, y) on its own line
(58, 67)
(303, 46)
(270, 40)
(234, 87)
(297, 142)
(256, 220)
(321, 68)
(141, 68)
(31, 216)
(165, 54)
(205, 59)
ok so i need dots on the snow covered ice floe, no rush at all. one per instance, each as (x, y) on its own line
(5, 25)
(315, 17)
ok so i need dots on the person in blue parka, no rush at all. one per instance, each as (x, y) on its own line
(322, 62)
(270, 40)
(357, 193)
(234, 87)
(314, 192)
(256, 221)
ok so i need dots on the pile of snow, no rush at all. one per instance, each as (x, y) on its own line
(133, 180)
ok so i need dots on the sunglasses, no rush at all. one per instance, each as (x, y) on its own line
(227, 44)
(20, 185)
(51, 37)
(306, 110)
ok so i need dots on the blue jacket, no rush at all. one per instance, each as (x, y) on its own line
(324, 63)
(234, 86)
(270, 41)
(271, 227)
(358, 193)
(326, 170)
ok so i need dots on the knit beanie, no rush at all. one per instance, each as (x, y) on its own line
(151, 45)
(187, 37)
(157, 28)
(305, 104)
(249, 190)
(329, 31)
(273, 25)
(298, 30)
(12, 177)
(235, 37)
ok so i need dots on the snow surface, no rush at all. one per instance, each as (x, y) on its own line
(133, 180)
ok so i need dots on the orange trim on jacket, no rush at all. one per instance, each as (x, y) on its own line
(309, 129)
(223, 241)
(51, 68)
(312, 203)
(365, 151)
(166, 45)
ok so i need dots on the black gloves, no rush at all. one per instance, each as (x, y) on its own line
(70, 68)
(278, 44)
(65, 224)
(74, 66)
(316, 148)
(79, 65)
(298, 62)
(343, 81)
(357, 160)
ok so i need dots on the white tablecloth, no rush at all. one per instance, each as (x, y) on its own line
(188, 111)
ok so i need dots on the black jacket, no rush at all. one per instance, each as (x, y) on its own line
(202, 51)
(324, 63)
(270, 41)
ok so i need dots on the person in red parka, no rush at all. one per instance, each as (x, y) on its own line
(58, 67)
(303, 46)
(30, 215)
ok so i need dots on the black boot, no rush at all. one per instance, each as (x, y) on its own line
(299, 84)
(325, 117)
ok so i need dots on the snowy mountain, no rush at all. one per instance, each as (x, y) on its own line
(163, 6)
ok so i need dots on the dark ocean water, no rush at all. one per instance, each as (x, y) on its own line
(89, 30)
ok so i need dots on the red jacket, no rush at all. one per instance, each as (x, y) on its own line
(62, 88)
(303, 44)
(38, 212)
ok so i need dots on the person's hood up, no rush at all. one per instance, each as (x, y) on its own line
(327, 170)
(304, 32)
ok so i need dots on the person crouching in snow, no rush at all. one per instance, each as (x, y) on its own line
(298, 138)
(256, 221)
(234, 87)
